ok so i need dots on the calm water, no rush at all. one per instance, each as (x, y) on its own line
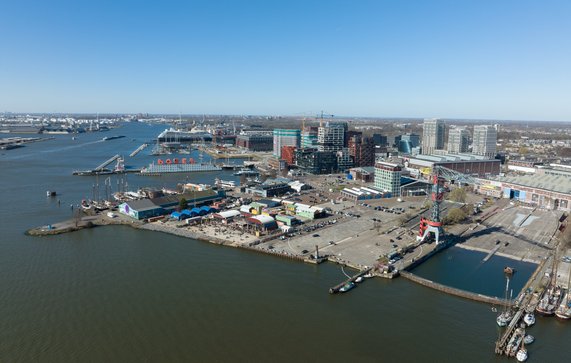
(114, 294)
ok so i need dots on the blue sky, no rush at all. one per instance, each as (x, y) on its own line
(497, 59)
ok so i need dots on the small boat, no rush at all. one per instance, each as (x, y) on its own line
(50, 193)
(528, 339)
(348, 286)
(509, 270)
(521, 355)
(529, 319)
(359, 279)
(504, 318)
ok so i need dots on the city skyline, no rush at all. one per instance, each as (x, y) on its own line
(476, 60)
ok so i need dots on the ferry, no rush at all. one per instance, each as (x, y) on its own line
(176, 165)
(225, 183)
(246, 172)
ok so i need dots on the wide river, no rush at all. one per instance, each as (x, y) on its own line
(116, 294)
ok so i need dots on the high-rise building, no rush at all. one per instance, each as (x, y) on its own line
(285, 137)
(407, 142)
(331, 136)
(387, 177)
(309, 137)
(316, 162)
(379, 140)
(344, 160)
(484, 140)
(362, 150)
(458, 140)
(413, 138)
(432, 135)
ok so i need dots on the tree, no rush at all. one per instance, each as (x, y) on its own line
(456, 215)
(183, 203)
(458, 195)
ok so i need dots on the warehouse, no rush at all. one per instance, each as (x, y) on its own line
(550, 191)
(469, 164)
(141, 209)
(262, 223)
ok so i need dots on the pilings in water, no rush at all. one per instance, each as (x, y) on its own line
(452, 290)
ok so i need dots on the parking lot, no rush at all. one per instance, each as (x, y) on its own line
(360, 234)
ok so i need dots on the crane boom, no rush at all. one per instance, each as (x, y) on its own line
(433, 226)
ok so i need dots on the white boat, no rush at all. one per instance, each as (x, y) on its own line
(521, 355)
(504, 318)
(348, 286)
(528, 339)
(529, 319)
(359, 279)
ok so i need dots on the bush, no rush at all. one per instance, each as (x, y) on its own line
(458, 195)
(456, 215)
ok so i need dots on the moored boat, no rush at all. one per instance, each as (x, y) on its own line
(528, 339)
(521, 355)
(529, 319)
(504, 318)
(348, 286)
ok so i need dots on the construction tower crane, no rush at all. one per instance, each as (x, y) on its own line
(320, 116)
(433, 226)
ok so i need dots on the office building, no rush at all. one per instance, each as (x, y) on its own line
(432, 136)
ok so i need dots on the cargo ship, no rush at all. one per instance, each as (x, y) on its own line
(176, 165)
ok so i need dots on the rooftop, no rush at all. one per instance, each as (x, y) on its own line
(451, 157)
(556, 183)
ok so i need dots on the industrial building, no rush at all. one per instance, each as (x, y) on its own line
(388, 177)
(458, 140)
(141, 209)
(269, 188)
(364, 174)
(550, 191)
(485, 140)
(285, 137)
(432, 136)
(255, 142)
(469, 164)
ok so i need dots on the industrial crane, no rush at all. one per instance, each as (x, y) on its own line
(433, 225)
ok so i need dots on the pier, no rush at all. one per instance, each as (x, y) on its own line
(335, 289)
(492, 252)
(107, 162)
(138, 150)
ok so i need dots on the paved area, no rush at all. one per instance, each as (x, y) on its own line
(522, 232)
(361, 240)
